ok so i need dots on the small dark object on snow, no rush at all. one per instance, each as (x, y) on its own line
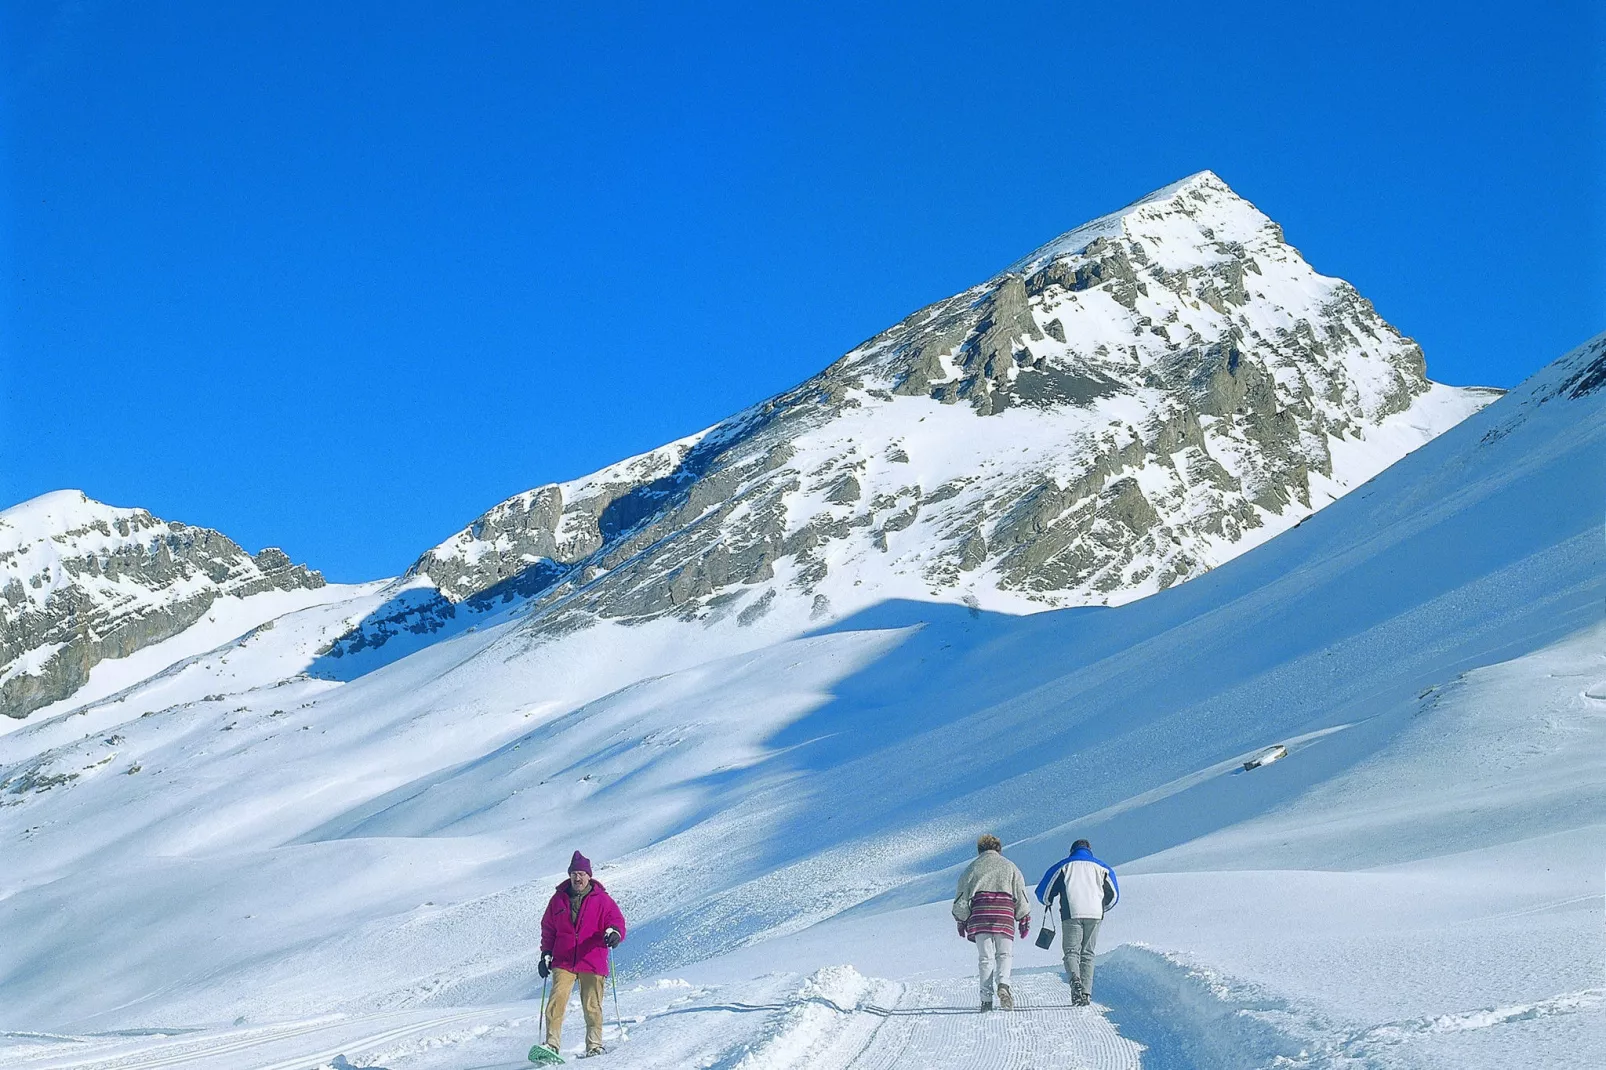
(1266, 757)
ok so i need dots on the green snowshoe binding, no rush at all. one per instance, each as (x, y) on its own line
(542, 1055)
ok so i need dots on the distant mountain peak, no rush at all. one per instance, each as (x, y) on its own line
(56, 510)
(81, 581)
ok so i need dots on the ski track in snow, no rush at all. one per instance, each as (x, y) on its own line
(1394, 1033)
(837, 1020)
(288, 1046)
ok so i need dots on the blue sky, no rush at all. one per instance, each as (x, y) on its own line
(340, 277)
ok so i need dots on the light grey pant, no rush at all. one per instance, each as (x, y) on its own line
(994, 956)
(1077, 944)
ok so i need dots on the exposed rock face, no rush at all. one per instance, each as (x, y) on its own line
(1136, 402)
(81, 581)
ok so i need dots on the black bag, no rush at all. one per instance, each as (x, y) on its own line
(1045, 935)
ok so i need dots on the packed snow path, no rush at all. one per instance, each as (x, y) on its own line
(837, 1020)
(936, 1024)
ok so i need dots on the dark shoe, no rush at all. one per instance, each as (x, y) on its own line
(1006, 998)
(986, 1005)
(1082, 1001)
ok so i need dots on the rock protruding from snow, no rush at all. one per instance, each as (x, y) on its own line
(81, 581)
(1133, 404)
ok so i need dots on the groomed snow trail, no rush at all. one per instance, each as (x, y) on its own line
(935, 1024)
(837, 1019)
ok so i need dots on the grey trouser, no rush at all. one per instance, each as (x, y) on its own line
(1077, 944)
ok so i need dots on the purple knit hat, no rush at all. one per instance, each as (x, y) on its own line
(579, 863)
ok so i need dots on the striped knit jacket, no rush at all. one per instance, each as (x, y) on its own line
(992, 898)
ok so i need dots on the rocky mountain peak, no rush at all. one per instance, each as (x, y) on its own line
(81, 581)
(1198, 209)
(1128, 406)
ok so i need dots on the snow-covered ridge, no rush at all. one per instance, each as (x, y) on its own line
(81, 581)
(1231, 219)
(557, 524)
(1131, 405)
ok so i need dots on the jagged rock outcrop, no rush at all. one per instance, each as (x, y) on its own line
(1132, 404)
(81, 582)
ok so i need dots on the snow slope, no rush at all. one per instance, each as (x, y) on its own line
(1417, 884)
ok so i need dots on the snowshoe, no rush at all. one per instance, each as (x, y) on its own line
(542, 1055)
(592, 1053)
(986, 1005)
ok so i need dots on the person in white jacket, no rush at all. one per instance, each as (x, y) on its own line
(1086, 889)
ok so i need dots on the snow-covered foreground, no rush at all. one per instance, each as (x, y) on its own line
(834, 1018)
(299, 872)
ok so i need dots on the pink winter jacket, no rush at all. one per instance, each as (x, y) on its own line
(578, 948)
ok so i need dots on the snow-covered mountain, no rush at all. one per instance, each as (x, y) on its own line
(81, 582)
(1129, 406)
(1415, 885)
(1140, 400)
(331, 816)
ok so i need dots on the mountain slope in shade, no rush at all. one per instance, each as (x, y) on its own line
(1133, 404)
(81, 581)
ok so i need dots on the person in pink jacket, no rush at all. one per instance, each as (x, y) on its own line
(581, 925)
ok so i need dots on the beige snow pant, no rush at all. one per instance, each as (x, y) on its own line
(590, 1003)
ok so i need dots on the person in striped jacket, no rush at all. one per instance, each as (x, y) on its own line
(990, 908)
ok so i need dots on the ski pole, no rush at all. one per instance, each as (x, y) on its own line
(618, 1020)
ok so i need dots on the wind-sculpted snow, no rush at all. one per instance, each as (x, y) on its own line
(1139, 401)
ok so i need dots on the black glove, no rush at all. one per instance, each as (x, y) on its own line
(611, 938)
(544, 967)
